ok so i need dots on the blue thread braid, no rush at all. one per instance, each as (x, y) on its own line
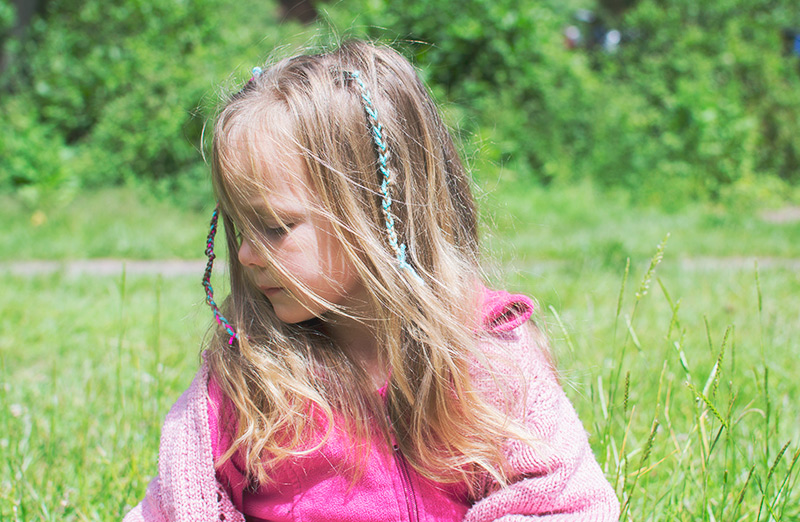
(207, 279)
(376, 130)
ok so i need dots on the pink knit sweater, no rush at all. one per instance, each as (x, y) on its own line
(556, 481)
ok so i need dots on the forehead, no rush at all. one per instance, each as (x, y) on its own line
(261, 165)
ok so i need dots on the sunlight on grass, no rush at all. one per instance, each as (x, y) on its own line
(120, 223)
(686, 415)
(683, 373)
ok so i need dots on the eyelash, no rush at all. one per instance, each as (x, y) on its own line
(278, 232)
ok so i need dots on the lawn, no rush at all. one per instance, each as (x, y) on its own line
(683, 370)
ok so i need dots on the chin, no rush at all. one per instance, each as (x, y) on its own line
(293, 315)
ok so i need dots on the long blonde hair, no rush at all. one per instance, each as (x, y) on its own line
(428, 332)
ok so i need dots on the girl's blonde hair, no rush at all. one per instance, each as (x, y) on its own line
(279, 375)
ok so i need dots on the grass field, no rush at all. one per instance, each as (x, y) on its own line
(684, 373)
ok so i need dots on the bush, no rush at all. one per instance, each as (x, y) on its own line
(699, 101)
(32, 154)
(722, 101)
(105, 93)
(699, 97)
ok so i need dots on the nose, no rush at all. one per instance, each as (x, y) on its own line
(248, 256)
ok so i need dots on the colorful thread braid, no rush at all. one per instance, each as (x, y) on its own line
(211, 256)
(376, 130)
(207, 278)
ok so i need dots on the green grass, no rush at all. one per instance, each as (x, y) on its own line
(693, 478)
(89, 368)
(118, 223)
(90, 365)
(635, 355)
(583, 225)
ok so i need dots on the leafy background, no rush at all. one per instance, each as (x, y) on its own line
(680, 358)
(699, 101)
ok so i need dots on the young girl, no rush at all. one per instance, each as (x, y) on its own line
(360, 369)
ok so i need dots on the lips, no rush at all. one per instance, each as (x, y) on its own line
(269, 291)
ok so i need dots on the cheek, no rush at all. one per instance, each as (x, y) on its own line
(299, 255)
(313, 254)
(307, 253)
(333, 257)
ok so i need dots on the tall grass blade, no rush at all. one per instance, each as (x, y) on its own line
(634, 338)
(623, 464)
(777, 460)
(765, 487)
(678, 345)
(644, 286)
(720, 359)
(710, 405)
(648, 447)
(708, 333)
(156, 344)
(626, 393)
(712, 383)
(601, 395)
(120, 337)
(567, 337)
(767, 414)
(760, 302)
(740, 498)
(620, 298)
(786, 482)
(758, 289)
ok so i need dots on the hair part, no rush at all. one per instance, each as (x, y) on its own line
(429, 333)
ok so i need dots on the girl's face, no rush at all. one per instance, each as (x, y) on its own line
(300, 241)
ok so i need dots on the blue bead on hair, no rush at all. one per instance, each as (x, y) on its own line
(376, 130)
(256, 73)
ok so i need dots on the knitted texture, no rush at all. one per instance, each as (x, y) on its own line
(556, 481)
(186, 488)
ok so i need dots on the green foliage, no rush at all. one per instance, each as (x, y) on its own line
(103, 93)
(7, 16)
(503, 60)
(697, 101)
(32, 153)
(708, 83)
(700, 101)
(688, 417)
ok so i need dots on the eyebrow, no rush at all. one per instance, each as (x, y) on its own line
(281, 212)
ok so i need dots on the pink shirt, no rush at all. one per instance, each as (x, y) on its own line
(559, 481)
(319, 486)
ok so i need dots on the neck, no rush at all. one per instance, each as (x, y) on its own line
(358, 339)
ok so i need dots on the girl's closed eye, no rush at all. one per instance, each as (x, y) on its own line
(269, 233)
(270, 230)
(277, 231)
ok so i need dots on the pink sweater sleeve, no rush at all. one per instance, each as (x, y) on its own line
(221, 414)
(186, 488)
(559, 479)
(149, 509)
